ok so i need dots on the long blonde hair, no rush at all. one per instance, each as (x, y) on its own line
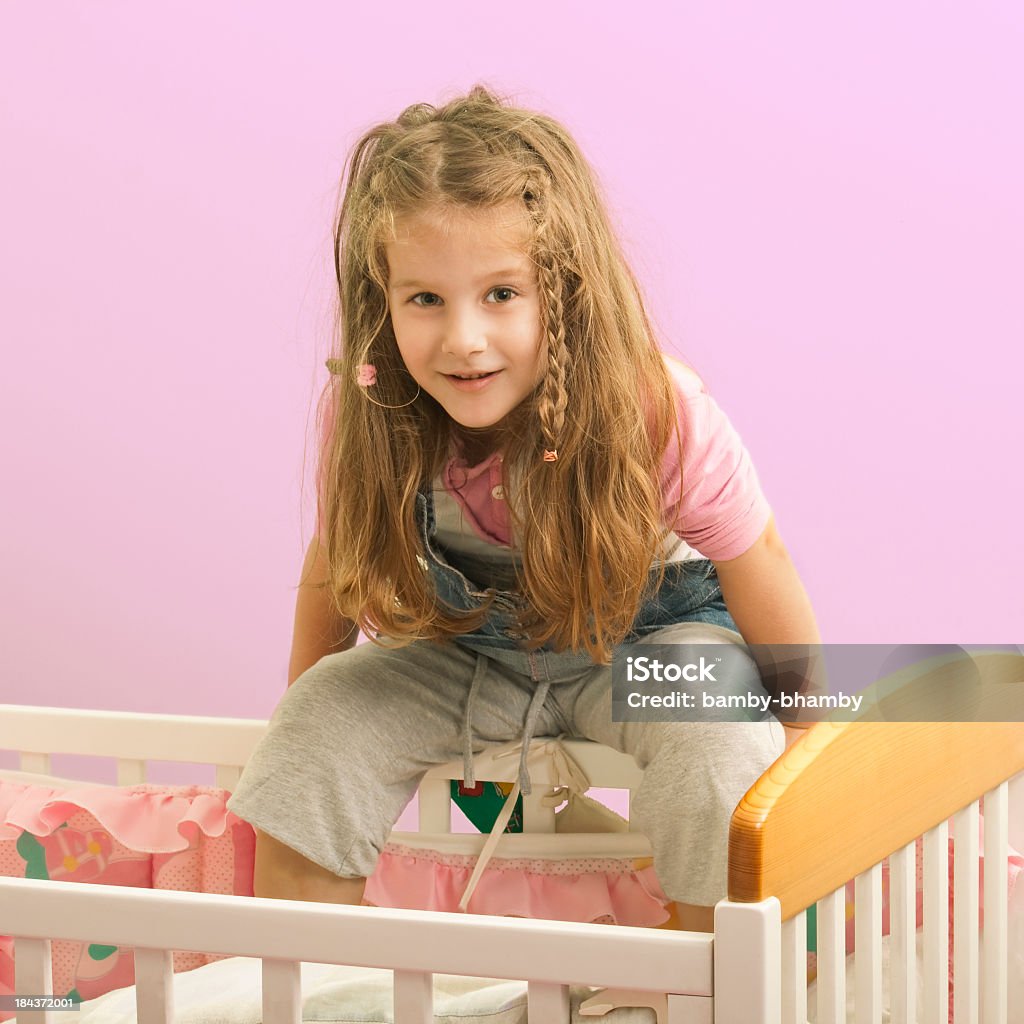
(589, 525)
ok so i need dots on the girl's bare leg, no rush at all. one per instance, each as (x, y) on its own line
(283, 874)
(692, 918)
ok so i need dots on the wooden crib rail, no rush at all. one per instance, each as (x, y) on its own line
(848, 794)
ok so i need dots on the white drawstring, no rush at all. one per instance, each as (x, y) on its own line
(568, 777)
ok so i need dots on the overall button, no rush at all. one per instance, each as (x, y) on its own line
(498, 493)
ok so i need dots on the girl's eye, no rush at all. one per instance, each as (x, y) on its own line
(428, 305)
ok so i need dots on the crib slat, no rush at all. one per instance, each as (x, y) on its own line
(689, 1010)
(935, 871)
(633, 826)
(435, 805)
(33, 972)
(994, 939)
(536, 816)
(32, 762)
(867, 957)
(414, 997)
(282, 991)
(794, 969)
(965, 915)
(747, 962)
(130, 772)
(547, 1003)
(154, 986)
(903, 937)
(832, 958)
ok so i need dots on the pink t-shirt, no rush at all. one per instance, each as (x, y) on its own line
(723, 510)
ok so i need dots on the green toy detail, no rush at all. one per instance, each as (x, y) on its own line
(812, 929)
(483, 803)
(98, 952)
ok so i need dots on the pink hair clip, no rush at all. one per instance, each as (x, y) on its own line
(367, 375)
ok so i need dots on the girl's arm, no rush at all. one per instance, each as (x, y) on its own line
(769, 605)
(764, 594)
(318, 630)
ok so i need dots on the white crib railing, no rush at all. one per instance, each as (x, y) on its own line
(677, 964)
(759, 964)
(549, 955)
(131, 739)
(134, 739)
(979, 968)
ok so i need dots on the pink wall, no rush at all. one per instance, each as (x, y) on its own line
(824, 208)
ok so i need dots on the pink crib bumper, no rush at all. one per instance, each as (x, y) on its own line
(156, 819)
(606, 890)
(154, 837)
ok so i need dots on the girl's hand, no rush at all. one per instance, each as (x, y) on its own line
(793, 733)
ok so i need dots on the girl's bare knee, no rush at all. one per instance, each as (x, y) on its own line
(282, 873)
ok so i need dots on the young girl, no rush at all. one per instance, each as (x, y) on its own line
(514, 482)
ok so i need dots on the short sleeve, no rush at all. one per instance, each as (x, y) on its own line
(723, 510)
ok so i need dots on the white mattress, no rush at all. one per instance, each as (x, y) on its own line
(227, 992)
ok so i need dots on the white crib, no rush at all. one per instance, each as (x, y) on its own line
(832, 808)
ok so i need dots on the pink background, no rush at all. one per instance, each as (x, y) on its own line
(823, 206)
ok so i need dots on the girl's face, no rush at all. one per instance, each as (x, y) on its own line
(466, 313)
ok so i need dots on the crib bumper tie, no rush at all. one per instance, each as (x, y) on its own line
(567, 777)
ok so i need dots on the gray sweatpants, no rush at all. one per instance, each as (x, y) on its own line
(351, 739)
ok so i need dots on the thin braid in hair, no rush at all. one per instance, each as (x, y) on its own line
(553, 400)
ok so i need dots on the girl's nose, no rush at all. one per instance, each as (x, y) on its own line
(463, 335)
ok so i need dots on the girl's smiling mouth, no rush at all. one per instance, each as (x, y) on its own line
(471, 382)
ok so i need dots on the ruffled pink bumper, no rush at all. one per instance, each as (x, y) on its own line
(586, 889)
(153, 837)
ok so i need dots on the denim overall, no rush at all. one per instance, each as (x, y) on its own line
(689, 592)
